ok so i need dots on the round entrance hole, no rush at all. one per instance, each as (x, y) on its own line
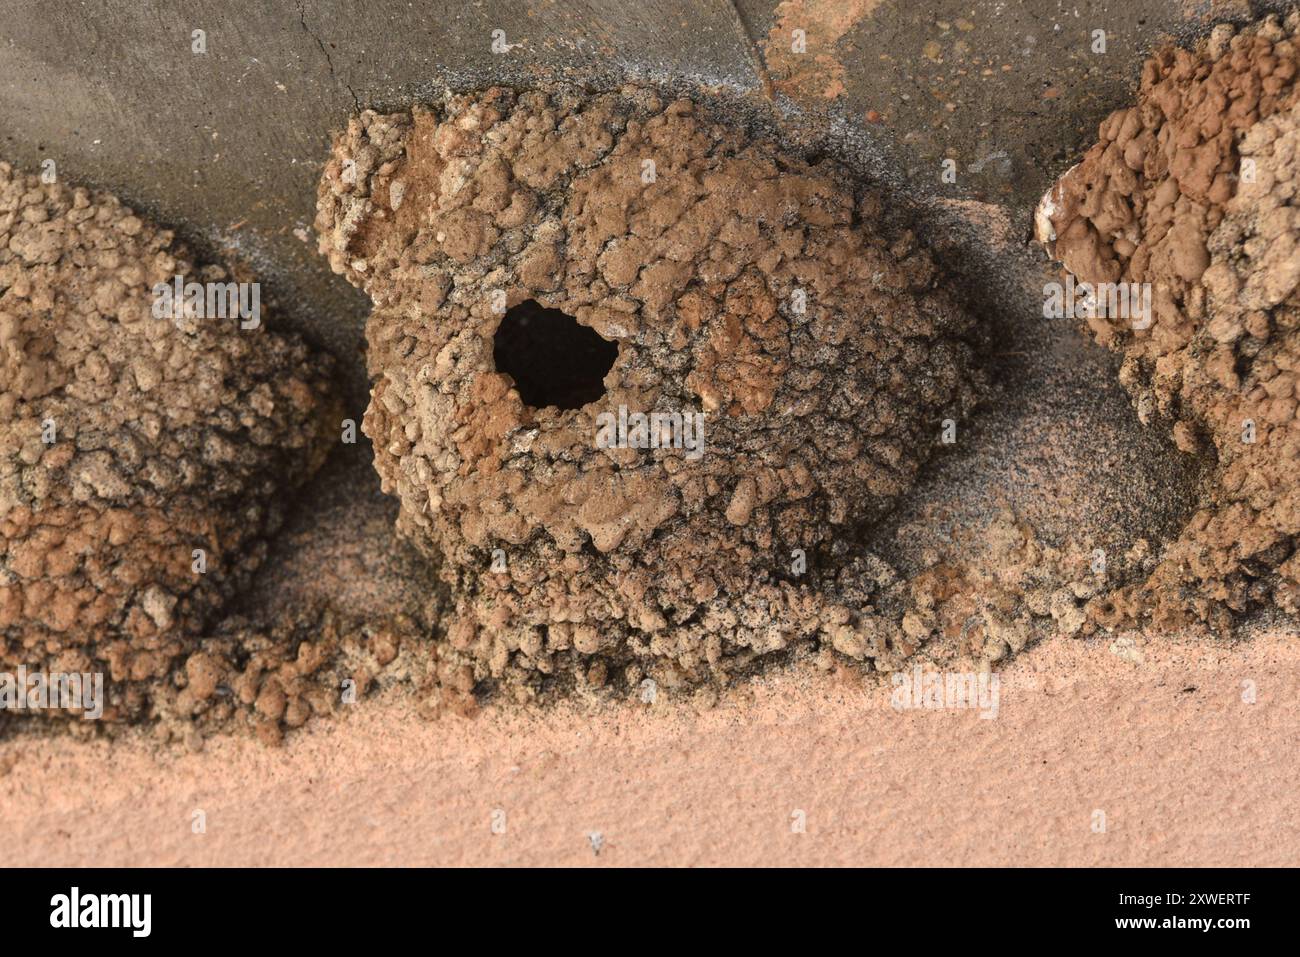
(554, 360)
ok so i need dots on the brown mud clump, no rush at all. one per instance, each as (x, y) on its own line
(274, 672)
(636, 377)
(1193, 191)
(141, 458)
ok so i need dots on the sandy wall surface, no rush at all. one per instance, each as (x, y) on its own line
(1157, 735)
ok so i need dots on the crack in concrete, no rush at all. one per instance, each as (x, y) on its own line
(752, 52)
(329, 61)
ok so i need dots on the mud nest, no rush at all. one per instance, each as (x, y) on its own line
(1193, 190)
(142, 459)
(659, 261)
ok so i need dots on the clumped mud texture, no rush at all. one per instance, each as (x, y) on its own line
(273, 672)
(627, 562)
(991, 589)
(1193, 190)
(326, 608)
(168, 436)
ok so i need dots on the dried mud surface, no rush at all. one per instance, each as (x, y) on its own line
(1192, 190)
(817, 416)
(130, 444)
